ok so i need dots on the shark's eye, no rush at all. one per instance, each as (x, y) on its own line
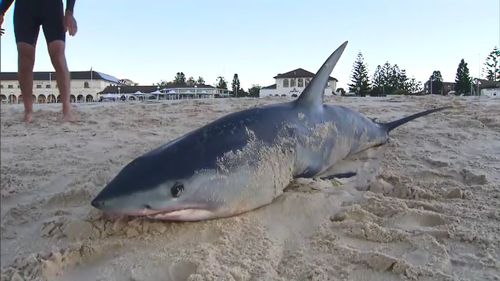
(177, 189)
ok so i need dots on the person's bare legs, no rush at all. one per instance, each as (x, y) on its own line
(25, 63)
(58, 58)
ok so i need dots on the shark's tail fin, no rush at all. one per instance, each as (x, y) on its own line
(394, 124)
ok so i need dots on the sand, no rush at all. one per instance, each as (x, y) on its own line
(431, 213)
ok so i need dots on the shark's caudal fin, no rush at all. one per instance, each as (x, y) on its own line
(394, 124)
(313, 93)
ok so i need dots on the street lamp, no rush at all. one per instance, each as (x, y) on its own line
(195, 88)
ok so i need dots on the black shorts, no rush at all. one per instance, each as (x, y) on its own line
(30, 14)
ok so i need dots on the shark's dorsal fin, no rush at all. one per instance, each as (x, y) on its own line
(313, 93)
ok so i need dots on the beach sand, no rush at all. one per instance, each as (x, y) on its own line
(431, 213)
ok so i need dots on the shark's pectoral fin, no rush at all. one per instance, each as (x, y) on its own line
(339, 176)
(359, 169)
(344, 168)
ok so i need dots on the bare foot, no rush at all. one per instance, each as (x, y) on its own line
(28, 117)
(69, 117)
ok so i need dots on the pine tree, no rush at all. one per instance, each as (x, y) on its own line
(463, 80)
(235, 85)
(413, 86)
(492, 65)
(359, 77)
(378, 77)
(379, 82)
(401, 79)
(390, 79)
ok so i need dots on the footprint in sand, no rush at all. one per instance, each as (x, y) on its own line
(436, 163)
(70, 198)
(470, 178)
(414, 220)
(182, 270)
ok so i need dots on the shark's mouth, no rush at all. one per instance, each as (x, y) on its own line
(188, 214)
(185, 213)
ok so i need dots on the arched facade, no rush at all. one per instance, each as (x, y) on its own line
(51, 98)
(84, 85)
(12, 99)
(41, 99)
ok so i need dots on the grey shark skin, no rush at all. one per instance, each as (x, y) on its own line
(244, 160)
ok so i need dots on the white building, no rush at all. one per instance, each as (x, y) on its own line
(489, 88)
(195, 91)
(173, 92)
(493, 92)
(84, 86)
(292, 83)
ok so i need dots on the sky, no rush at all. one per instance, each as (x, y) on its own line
(150, 41)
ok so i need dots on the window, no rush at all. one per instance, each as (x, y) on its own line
(47, 86)
(307, 81)
(1, 86)
(86, 85)
(285, 83)
(10, 86)
(300, 82)
(38, 86)
(292, 82)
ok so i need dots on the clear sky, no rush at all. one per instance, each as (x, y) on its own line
(149, 41)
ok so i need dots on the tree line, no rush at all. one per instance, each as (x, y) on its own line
(390, 79)
(221, 83)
